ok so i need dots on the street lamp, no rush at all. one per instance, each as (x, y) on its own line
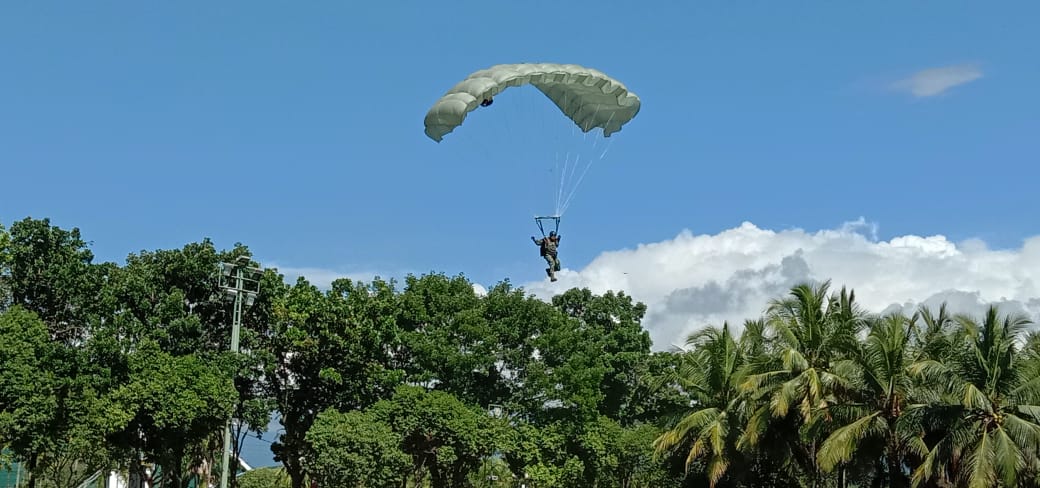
(241, 282)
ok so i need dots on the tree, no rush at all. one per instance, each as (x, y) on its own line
(167, 406)
(985, 426)
(48, 270)
(327, 350)
(543, 454)
(30, 389)
(712, 372)
(354, 449)
(444, 437)
(602, 348)
(869, 414)
(447, 341)
(173, 298)
(266, 477)
(796, 387)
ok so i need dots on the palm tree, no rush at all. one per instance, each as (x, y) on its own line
(711, 372)
(810, 331)
(985, 425)
(937, 335)
(879, 386)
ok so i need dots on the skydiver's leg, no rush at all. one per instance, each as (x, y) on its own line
(552, 266)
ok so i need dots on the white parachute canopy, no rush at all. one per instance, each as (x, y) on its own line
(588, 97)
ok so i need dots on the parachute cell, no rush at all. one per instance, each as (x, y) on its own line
(588, 97)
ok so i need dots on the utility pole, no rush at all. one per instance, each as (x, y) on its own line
(244, 289)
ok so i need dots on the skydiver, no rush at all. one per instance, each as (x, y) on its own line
(547, 247)
(486, 102)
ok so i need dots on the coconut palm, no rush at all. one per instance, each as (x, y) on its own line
(711, 372)
(880, 384)
(937, 334)
(984, 428)
(809, 331)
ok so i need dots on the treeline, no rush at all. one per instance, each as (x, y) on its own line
(427, 383)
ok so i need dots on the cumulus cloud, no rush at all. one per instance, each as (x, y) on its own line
(936, 81)
(694, 280)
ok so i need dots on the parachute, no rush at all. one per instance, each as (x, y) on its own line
(588, 97)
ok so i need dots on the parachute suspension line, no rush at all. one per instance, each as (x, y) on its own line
(574, 168)
(567, 201)
(570, 196)
(560, 170)
(561, 182)
(561, 177)
(556, 186)
(566, 177)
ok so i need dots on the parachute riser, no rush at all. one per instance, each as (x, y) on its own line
(551, 221)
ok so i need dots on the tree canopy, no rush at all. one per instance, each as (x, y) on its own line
(424, 382)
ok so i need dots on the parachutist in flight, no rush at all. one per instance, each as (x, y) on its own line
(548, 246)
(486, 102)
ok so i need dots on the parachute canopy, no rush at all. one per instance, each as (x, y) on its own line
(590, 98)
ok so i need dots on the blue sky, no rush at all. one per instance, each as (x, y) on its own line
(136, 121)
(143, 123)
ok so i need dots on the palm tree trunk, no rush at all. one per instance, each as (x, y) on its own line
(896, 479)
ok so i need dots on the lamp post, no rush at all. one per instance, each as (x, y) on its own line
(245, 287)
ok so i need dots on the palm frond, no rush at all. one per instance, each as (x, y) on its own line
(840, 445)
(694, 423)
(1023, 431)
(1007, 457)
(979, 471)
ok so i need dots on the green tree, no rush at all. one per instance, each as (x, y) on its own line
(712, 372)
(598, 355)
(984, 428)
(795, 389)
(543, 454)
(167, 406)
(30, 389)
(354, 449)
(658, 394)
(172, 298)
(869, 413)
(266, 477)
(48, 270)
(5, 268)
(444, 437)
(447, 342)
(327, 350)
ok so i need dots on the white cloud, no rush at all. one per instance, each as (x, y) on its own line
(935, 81)
(694, 280)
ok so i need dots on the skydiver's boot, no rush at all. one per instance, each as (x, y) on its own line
(549, 271)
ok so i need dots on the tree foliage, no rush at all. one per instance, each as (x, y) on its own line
(126, 366)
